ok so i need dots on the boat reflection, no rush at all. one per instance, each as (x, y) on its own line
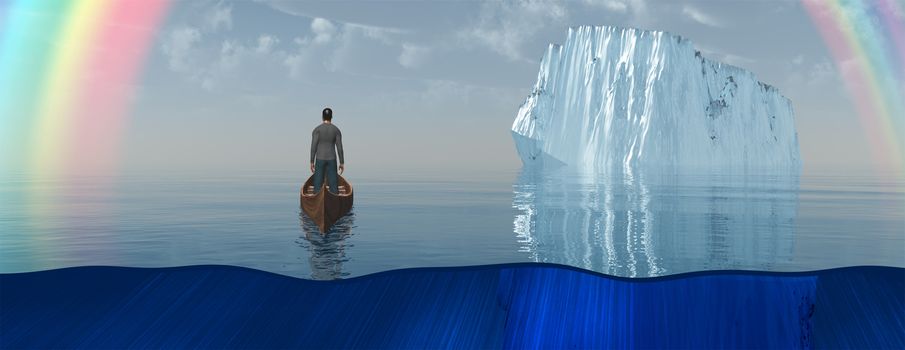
(641, 226)
(327, 250)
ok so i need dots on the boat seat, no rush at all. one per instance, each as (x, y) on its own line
(310, 191)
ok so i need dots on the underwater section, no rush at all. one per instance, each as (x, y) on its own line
(525, 305)
(701, 312)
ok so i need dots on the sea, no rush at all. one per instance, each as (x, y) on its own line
(628, 226)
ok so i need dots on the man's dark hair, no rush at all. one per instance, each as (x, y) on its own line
(327, 114)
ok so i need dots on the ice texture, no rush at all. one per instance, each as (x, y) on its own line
(625, 100)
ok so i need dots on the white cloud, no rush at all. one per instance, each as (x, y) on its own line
(620, 6)
(218, 17)
(337, 46)
(230, 57)
(266, 43)
(640, 15)
(299, 9)
(177, 46)
(821, 72)
(211, 65)
(412, 55)
(297, 61)
(328, 45)
(813, 76)
(323, 30)
(191, 52)
(332, 44)
(231, 53)
(183, 45)
(384, 34)
(639, 11)
(700, 17)
(505, 26)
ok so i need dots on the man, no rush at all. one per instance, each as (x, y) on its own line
(326, 142)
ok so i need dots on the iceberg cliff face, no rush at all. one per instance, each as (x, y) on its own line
(626, 100)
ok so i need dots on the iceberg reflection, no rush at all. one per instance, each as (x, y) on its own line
(643, 226)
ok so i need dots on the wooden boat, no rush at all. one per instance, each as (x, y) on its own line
(323, 206)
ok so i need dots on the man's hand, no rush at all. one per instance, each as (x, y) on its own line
(342, 167)
(312, 167)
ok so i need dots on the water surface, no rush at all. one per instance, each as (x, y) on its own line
(633, 227)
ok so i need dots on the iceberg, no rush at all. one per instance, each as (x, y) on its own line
(624, 100)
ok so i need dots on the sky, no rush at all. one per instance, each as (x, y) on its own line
(239, 85)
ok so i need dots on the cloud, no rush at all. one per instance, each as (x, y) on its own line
(177, 46)
(192, 50)
(505, 26)
(233, 56)
(266, 44)
(808, 75)
(821, 72)
(218, 17)
(295, 63)
(300, 59)
(412, 55)
(230, 54)
(620, 6)
(183, 43)
(323, 30)
(639, 11)
(325, 46)
(209, 66)
(334, 44)
(384, 34)
(700, 17)
(298, 9)
(339, 46)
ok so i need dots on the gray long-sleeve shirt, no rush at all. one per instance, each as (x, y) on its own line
(326, 141)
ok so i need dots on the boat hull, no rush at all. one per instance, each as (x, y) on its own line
(324, 207)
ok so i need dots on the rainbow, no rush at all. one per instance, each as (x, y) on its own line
(867, 42)
(68, 69)
(67, 73)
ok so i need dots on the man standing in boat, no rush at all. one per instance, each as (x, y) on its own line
(326, 142)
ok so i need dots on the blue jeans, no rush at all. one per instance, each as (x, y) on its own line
(322, 168)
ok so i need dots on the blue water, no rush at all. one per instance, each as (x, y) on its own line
(630, 227)
(508, 306)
